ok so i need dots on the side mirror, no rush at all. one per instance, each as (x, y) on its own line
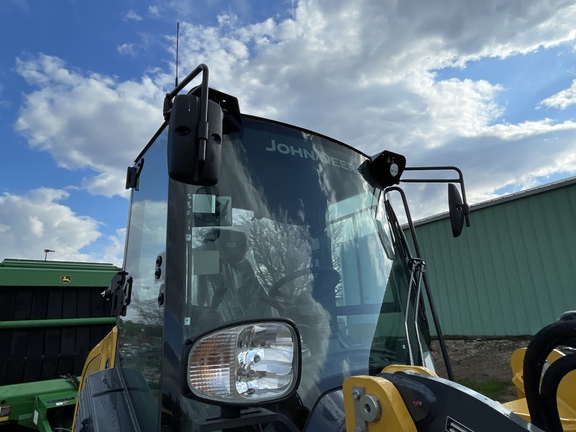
(383, 170)
(456, 209)
(194, 145)
(194, 133)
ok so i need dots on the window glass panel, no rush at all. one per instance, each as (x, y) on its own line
(140, 335)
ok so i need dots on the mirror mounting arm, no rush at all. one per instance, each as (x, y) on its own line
(459, 180)
(418, 256)
(203, 130)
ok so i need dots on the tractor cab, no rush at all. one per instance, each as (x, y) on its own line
(264, 264)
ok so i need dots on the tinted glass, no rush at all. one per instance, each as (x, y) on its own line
(293, 230)
(140, 331)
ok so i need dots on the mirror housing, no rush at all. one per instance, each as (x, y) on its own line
(194, 146)
(456, 210)
(383, 170)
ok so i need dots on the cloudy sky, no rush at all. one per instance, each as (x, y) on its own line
(489, 86)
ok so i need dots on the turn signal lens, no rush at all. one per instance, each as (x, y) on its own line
(245, 364)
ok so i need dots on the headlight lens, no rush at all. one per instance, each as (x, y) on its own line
(245, 364)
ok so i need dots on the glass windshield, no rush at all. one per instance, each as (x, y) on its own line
(292, 230)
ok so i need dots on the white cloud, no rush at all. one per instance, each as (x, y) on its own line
(37, 221)
(3, 103)
(528, 129)
(362, 72)
(131, 15)
(345, 50)
(88, 120)
(23, 5)
(563, 99)
(126, 49)
(153, 11)
(114, 251)
(510, 155)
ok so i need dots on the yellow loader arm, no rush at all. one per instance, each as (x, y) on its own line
(411, 399)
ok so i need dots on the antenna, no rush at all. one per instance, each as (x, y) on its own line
(177, 37)
(46, 252)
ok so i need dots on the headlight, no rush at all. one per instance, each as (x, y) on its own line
(246, 364)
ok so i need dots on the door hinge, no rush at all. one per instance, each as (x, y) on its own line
(119, 292)
(133, 174)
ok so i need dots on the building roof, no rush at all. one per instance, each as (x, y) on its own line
(505, 198)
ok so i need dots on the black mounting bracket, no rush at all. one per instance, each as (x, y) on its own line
(120, 292)
(133, 174)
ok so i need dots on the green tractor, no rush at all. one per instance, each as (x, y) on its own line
(52, 315)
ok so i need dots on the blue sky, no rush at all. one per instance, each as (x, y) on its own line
(488, 86)
(527, 79)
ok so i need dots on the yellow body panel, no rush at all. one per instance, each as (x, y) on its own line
(566, 390)
(395, 416)
(101, 357)
(403, 368)
(567, 413)
(517, 365)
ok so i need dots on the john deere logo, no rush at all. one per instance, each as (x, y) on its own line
(65, 279)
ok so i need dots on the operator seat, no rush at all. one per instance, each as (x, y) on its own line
(235, 292)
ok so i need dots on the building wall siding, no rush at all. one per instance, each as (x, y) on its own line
(512, 272)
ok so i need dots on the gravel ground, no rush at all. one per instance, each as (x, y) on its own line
(480, 360)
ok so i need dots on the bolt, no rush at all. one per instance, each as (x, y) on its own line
(356, 394)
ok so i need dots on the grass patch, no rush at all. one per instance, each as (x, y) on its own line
(491, 388)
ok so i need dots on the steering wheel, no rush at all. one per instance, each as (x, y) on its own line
(325, 280)
(330, 279)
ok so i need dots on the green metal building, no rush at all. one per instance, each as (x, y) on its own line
(512, 272)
